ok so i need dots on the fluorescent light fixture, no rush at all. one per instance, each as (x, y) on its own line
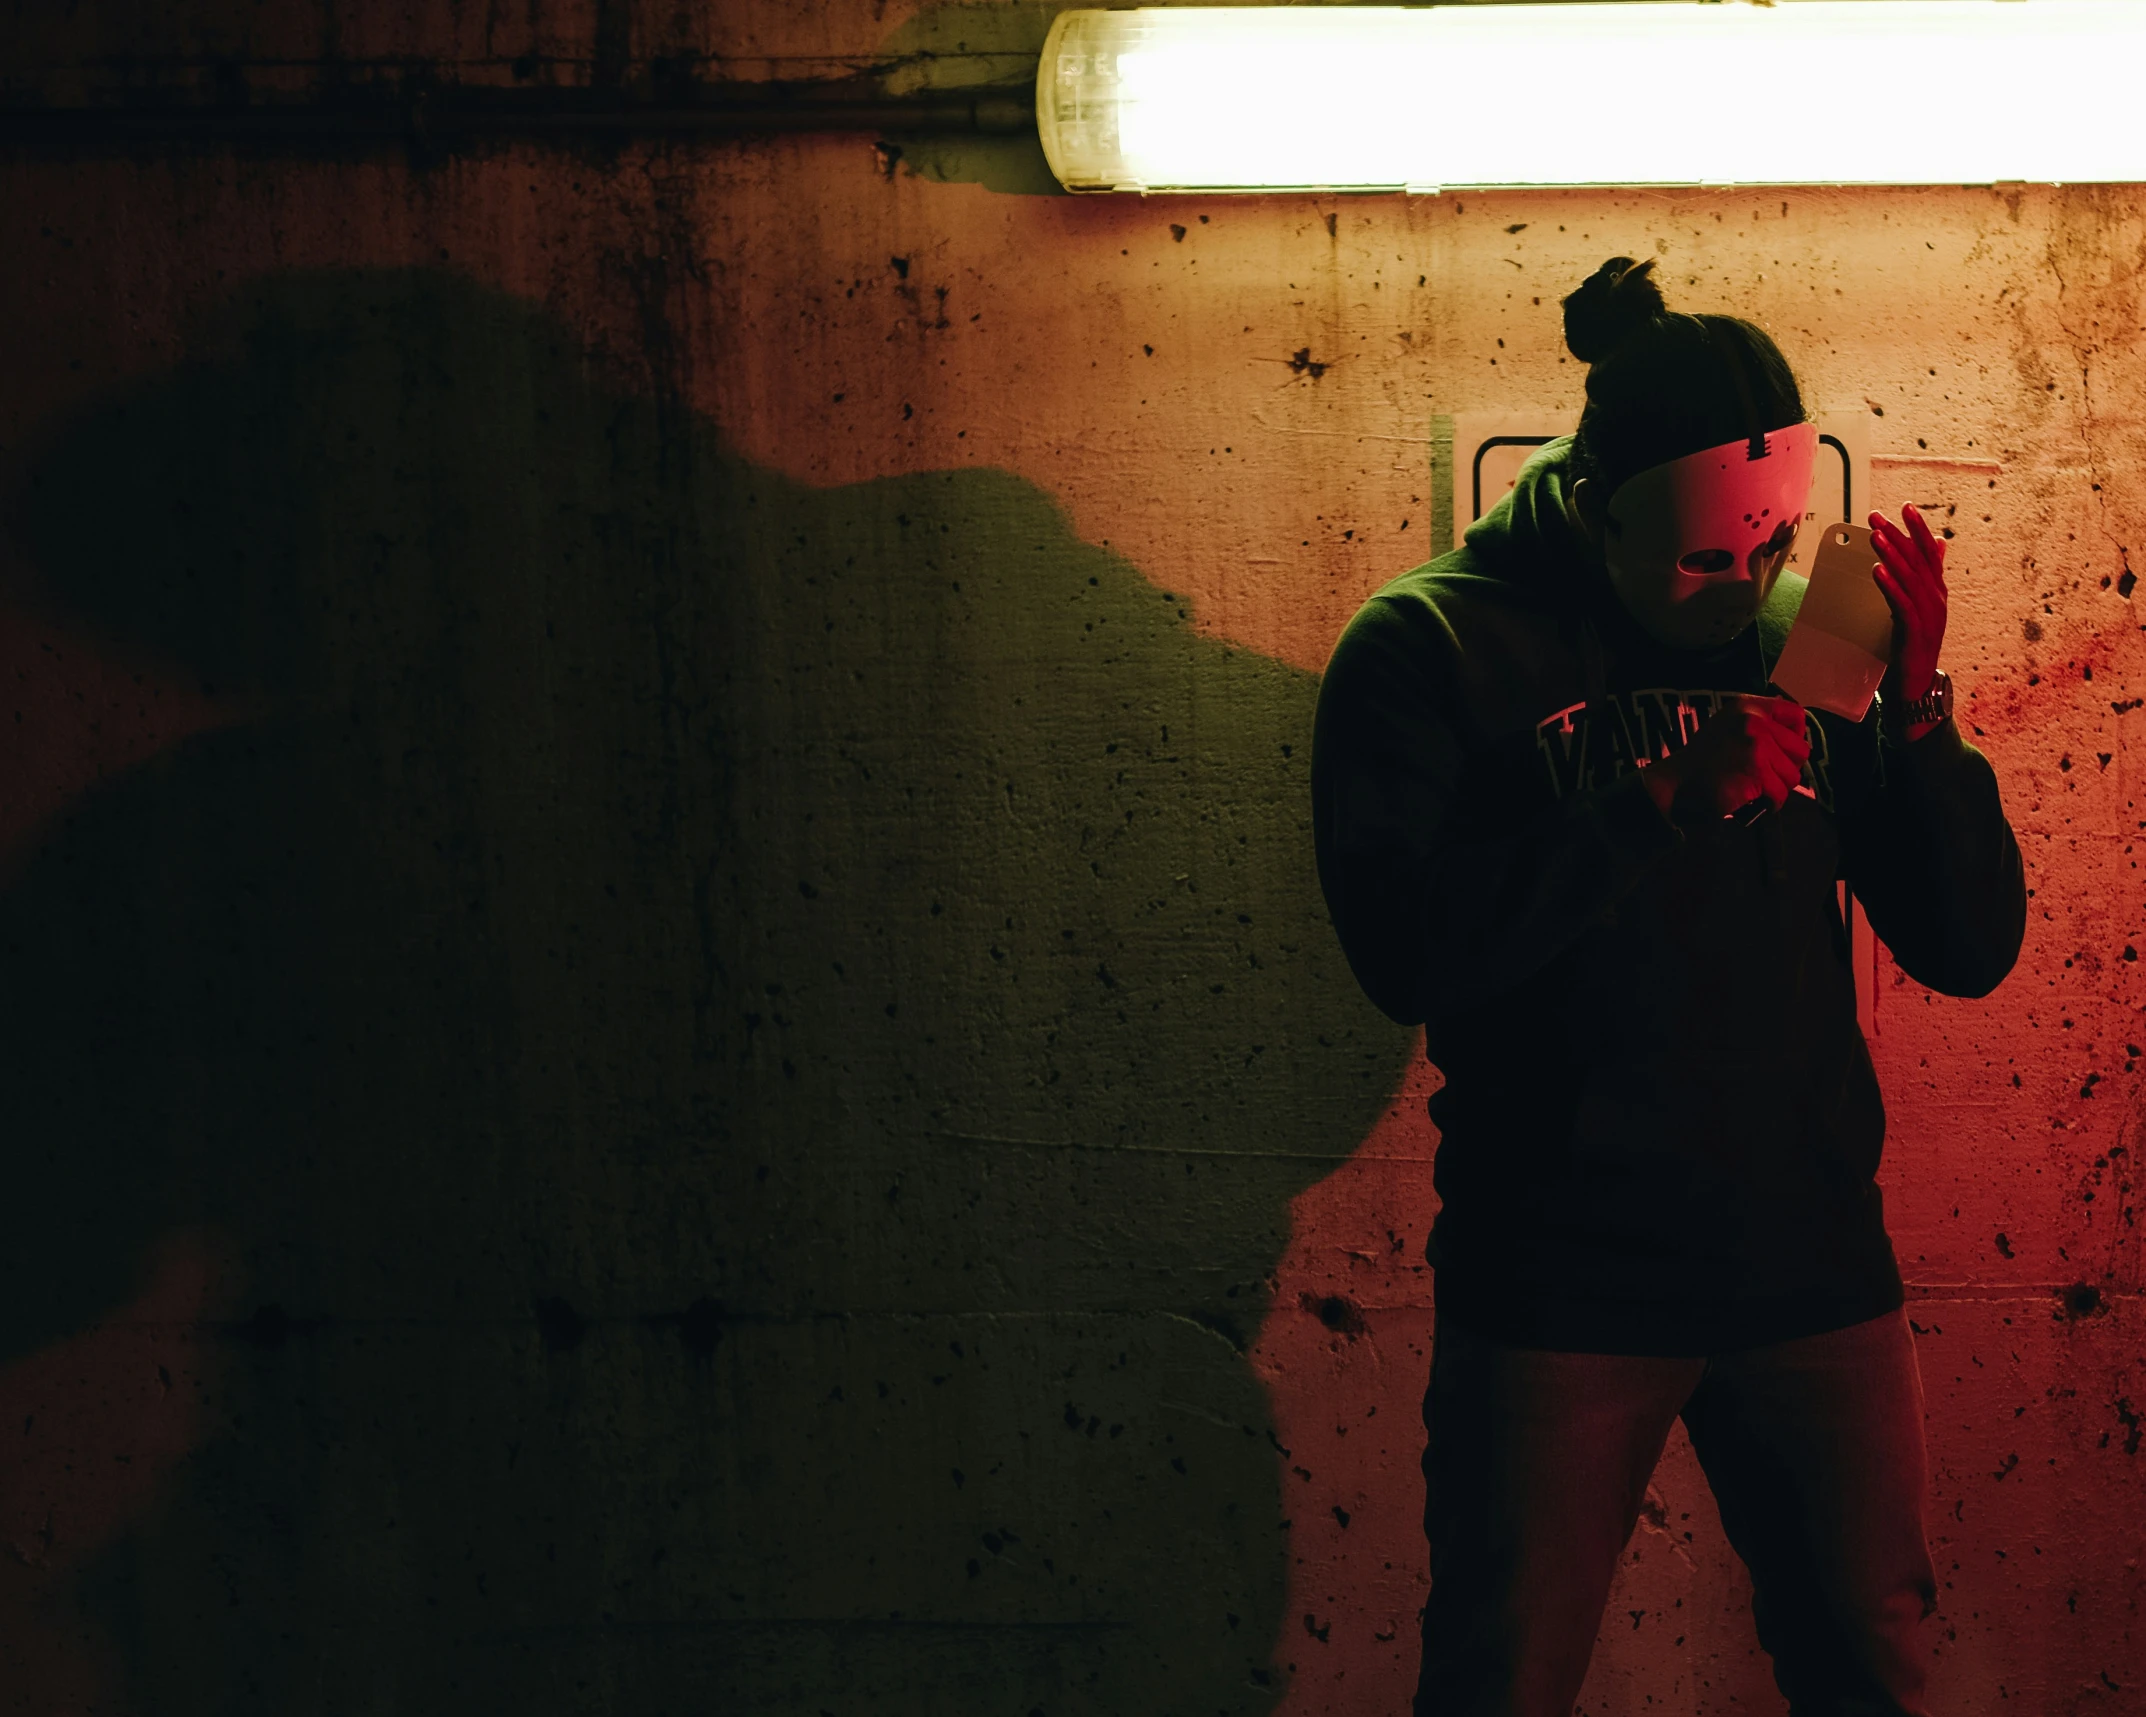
(1618, 92)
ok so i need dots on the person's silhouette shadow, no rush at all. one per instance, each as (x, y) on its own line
(745, 1049)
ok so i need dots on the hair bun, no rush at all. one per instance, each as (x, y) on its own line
(1612, 304)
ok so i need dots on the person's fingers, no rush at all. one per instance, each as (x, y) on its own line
(1933, 550)
(1784, 752)
(1758, 784)
(1883, 531)
(1785, 712)
(1756, 749)
(1918, 574)
(1902, 555)
(1742, 710)
(1761, 750)
(1922, 612)
(1912, 609)
(1790, 759)
(1917, 558)
(1739, 789)
(1895, 597)
(1918, 566)
(1779, 749)
(1781, 710)
(1909, 575)
(1776, 783)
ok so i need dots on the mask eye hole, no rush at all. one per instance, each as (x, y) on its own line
(1707, 561)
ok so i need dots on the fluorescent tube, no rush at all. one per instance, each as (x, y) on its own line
(1619, 92)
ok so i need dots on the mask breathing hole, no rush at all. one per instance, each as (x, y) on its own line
(1772, 548)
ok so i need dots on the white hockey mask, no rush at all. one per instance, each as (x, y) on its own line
(1694, 546)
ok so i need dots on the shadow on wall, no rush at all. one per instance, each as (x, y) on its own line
(746, 1048)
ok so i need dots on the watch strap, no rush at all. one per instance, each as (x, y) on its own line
(1934, 705)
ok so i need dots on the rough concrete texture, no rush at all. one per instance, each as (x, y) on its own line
(671, 1045)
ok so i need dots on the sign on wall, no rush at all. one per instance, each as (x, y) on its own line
(1489, 448)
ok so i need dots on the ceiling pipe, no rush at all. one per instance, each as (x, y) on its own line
(456, 117)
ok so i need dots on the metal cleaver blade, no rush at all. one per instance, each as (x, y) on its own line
(1842, 640)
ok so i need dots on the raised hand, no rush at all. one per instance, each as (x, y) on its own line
(1911, 573)
(1750, 752)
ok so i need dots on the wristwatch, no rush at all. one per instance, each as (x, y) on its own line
(1934, 704)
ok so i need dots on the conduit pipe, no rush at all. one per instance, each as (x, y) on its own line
(455, 117)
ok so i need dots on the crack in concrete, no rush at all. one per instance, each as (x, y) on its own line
(1654, 1518)
(2083, 351)
(1235, 1349)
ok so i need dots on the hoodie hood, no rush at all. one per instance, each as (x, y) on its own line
(1530, 530)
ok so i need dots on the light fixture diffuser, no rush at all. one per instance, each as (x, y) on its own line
(1618, 92)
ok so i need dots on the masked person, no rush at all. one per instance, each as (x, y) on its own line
(1535, 770)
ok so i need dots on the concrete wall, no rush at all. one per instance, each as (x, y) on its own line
(670, 1043)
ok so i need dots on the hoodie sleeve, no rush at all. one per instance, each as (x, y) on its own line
(1435, 914)
(1933, 860)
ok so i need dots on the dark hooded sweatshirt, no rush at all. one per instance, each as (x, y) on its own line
(1659, 1125)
